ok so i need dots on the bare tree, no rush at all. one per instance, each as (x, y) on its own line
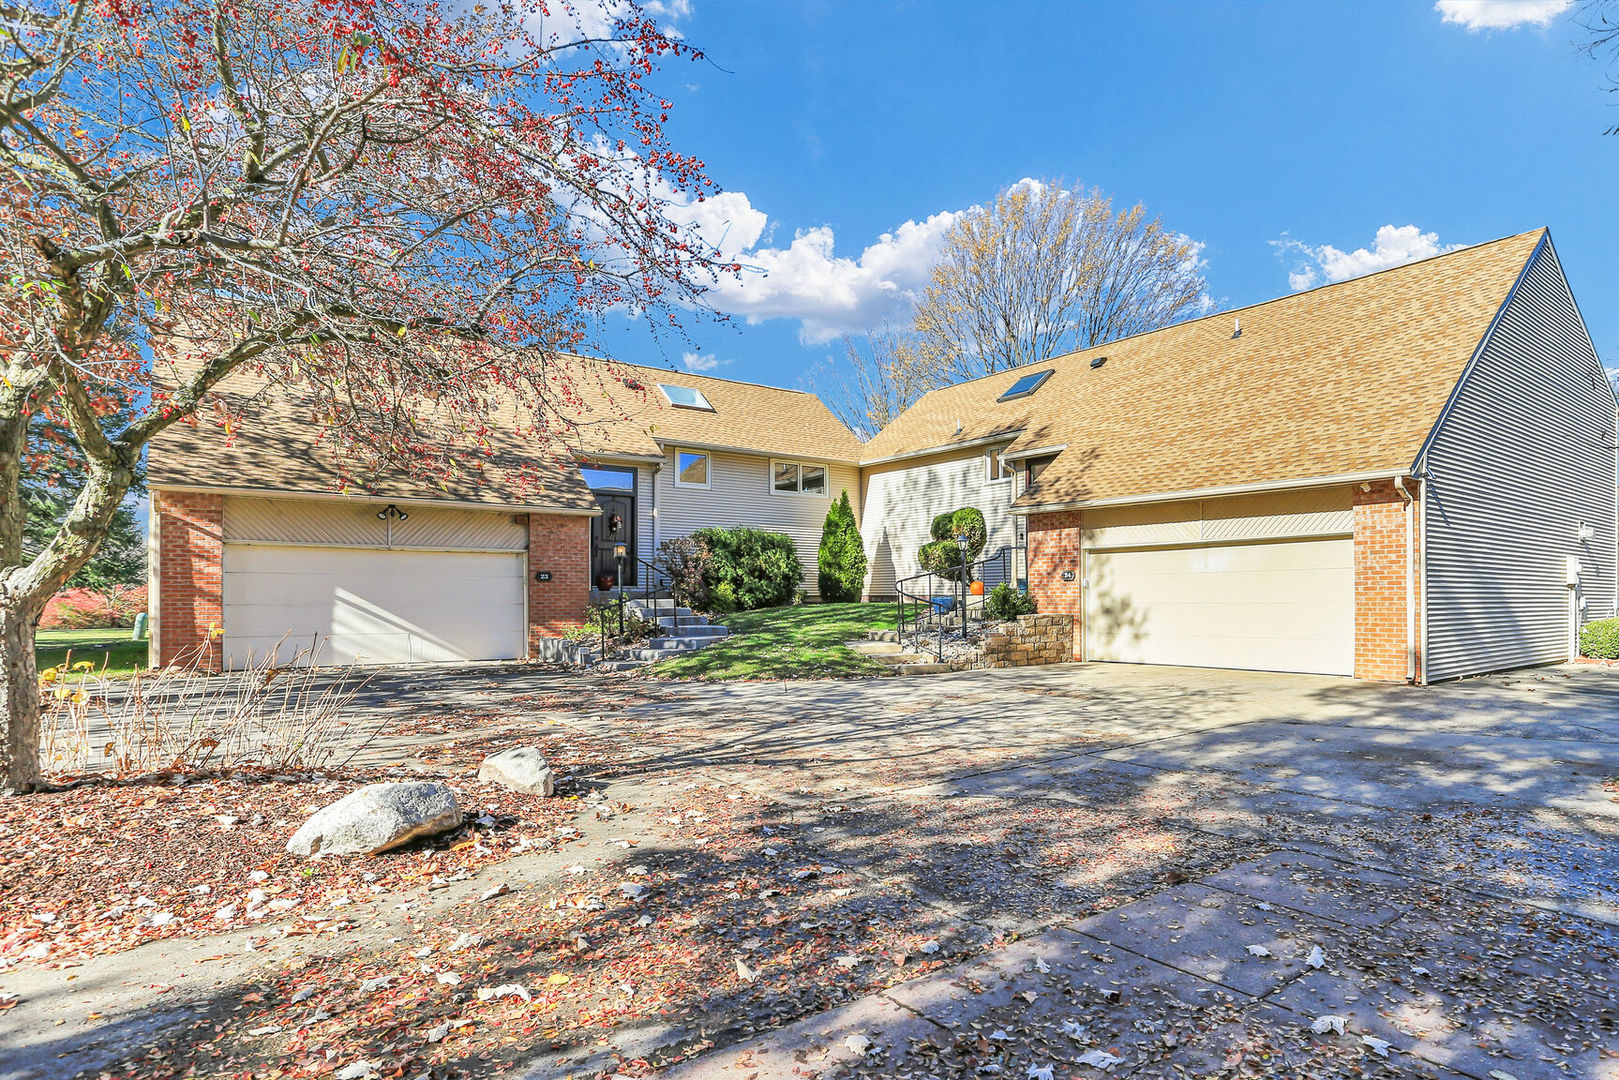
(1600, 21)
(370, 201)
(1042, 271)
(874, 384)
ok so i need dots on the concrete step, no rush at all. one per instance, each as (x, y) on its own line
(683, 644)
(923, 669)
(620, 665)
(704, 630)
(896, 659)
(882, 635)
(877, 648)
(673, 622)
(652, 655)
(649, 609)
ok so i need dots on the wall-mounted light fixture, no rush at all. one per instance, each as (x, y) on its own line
(391, 511)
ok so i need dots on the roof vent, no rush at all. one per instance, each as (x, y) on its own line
(958, 427)
(1236, 328)
(1098, 361)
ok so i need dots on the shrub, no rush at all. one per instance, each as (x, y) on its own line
(1005, 602)
(685, 560)
(842, 559)
(1600, 640)
(750, 568)
(943, 556)
(91, 609)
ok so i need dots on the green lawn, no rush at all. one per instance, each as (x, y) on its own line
(112, 647)
(805, 641)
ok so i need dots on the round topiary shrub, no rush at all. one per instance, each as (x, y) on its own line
(1599, 640)
(944, 556)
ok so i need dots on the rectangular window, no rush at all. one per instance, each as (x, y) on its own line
(999, 468)
(1037, 466)
(691, 468)
(797, 478)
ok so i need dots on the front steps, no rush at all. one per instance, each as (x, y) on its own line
(683, 632)
(883, 646)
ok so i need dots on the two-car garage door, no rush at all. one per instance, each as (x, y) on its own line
(1268, 599)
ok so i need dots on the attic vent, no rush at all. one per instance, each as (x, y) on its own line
(1025, 386)
(1098, 361)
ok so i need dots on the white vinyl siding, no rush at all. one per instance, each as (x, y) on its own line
(739, 493)
(903, 498)
(1521, 460)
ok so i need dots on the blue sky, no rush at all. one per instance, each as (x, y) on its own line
(1295, 142)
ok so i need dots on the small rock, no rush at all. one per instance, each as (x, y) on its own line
(377, 817)
(522, 768)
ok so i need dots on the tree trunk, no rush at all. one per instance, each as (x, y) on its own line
(19, 702)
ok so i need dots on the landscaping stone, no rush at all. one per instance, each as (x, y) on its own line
(377, 817)
(522, 768)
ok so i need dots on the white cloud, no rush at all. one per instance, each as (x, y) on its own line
(1478, 15)
(829, 294)
(701, 362)
(1395, 245)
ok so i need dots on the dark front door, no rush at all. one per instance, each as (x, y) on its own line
(615, 526)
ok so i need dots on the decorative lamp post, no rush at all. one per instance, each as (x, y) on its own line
(961, 542)
(619, 551)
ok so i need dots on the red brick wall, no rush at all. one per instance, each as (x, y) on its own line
(1054, 546)
(560, 544)
(1380, 582)
(190, 551)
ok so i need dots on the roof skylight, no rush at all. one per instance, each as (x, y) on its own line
(1025, 386)
(685, 397)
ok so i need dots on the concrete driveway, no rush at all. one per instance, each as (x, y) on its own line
(1134, 870)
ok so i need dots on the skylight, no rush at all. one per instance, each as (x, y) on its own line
(685, 397)
(1025, 386)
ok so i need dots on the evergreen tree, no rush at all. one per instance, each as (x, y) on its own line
(842, 558)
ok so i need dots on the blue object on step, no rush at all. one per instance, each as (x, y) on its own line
(943, 604)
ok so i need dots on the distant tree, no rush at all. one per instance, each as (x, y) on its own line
(48, 493)
(874, 383)
(1042, 271)
(404, 210)
(1600, 21)
(842, 558)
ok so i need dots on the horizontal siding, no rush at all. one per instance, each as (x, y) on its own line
(1284, 515)
(739, 494)
(333, 523)
(1521, 461)
(902, 500)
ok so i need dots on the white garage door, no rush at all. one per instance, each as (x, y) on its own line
(374, 607)
(1267, 607)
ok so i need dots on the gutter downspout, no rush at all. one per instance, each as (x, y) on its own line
(1410, 581)
(656, 469)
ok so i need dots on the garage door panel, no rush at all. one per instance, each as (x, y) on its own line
(373, 607)
(1266, 606)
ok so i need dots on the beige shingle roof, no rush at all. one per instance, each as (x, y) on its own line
(1343, 379)
(615, 418)
(276, 446)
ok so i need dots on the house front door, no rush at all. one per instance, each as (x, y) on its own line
(615, 526)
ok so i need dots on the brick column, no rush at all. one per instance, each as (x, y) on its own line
(190, 598)
(1381, 625)
(1054, 546)
(558, 544)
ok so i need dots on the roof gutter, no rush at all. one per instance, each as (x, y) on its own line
(1034, 451)
(970, 444)
(753, 451)
(1215, 492)
(332, 496)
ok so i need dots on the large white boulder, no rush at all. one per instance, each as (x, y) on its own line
(377, 817)
(522, 768)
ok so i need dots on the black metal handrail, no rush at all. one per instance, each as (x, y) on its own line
(912, 606)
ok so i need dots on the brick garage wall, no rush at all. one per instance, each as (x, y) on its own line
(561, 544)
(1030, 639)
(1380, 582)
(1054, 546)
(190, 555)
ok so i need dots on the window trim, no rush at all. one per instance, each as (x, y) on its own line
(708, 471)
(992, 459)
(706, 406)
(826, 473)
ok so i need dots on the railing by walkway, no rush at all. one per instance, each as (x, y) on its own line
(938, 601)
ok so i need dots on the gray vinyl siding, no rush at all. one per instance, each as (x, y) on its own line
(739, 493)
(1521, 460)
(903, 498)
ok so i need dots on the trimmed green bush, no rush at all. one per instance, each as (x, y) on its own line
(749, 568)
(1600, 640)
(841, 562)
(1005, 602)
(944, 556)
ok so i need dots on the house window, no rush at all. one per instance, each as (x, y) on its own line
(1036, 467)
(608, 478)
(797, 478)
(685, 397)
(1025, 386)
(691, 468)
(999, 467)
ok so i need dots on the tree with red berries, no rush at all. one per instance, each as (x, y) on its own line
(401, 210)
